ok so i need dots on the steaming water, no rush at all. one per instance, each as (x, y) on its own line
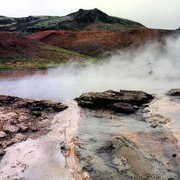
(122, 70)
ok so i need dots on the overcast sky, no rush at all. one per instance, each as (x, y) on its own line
(163, 14)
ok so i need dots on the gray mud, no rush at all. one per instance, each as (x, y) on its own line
(126, 147)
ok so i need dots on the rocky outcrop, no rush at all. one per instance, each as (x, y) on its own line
(24, 118)
(174, 92)
(123, 101)
(32, 105)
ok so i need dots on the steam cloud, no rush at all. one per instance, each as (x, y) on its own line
(123, 70)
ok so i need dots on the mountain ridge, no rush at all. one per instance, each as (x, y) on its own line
(93, 19)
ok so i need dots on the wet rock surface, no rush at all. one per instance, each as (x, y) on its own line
(123, 101)
(24, 118)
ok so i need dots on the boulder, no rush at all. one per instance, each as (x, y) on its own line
(122, 101)
(2, 134)
(10, 128)
(2, 152)
(174, 92)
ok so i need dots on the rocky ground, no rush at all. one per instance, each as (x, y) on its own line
(21, 119)
(114, 135)
(115, 145)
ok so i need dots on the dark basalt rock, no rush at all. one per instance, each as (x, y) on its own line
(90, 16)
(123, 101)
(33, 105)
(174, 92)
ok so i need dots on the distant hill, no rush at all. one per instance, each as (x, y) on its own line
(19, 52)
(82, 20)
(96, 43)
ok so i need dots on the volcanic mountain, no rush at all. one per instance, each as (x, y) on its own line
(82, 20)
(89, 32)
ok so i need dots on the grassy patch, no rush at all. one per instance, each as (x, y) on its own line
(62, 50)
(21, 63)
(29, 63)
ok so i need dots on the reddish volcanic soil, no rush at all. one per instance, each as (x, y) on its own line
(97, 42)
(15, 46)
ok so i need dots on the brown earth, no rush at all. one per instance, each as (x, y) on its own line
(96, 43)
(19, 73)
(13, 45)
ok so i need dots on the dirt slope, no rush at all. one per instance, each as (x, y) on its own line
(18, 51)
(95, 43)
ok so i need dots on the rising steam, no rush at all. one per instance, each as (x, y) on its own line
(151, 68)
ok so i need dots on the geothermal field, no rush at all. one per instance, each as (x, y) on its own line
(100, 102)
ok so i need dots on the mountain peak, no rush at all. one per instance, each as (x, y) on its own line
(90, 16)
(90, 10)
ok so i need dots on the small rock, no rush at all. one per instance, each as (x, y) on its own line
(174, 155)
(2, 152)
(65, 150)
(10, 128)
(2, 134)
(19, 137)
(34, 128)
(23, 128)
(153, 125)
(23, 118)
(85, 175)
(36, 113)
(174, 92)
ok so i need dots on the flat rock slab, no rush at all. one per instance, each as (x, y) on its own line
(25, 118)
(34, 105)
(122, 101)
